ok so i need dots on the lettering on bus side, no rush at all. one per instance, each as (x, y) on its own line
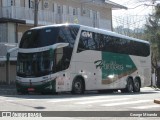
(87, 34)
(108, 66)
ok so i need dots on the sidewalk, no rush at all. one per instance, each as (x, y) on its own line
(8, 90)
(157, 101)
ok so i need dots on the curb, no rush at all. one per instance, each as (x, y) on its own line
(157, 101)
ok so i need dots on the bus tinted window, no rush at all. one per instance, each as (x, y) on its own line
(48, 36)
(124, 46)
(100, 42)
(86, 41)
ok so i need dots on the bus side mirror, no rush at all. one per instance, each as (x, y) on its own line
(59, 45)
(55, 46)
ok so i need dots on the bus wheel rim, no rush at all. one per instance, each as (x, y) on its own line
(78, 86)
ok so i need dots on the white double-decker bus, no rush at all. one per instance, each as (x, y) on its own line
(76, 58)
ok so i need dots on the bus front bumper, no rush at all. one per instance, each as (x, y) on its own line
(37, 87)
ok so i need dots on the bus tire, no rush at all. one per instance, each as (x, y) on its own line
(78, 86)
(137, 85)
(129, 86)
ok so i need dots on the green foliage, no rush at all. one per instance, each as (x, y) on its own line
(152, 32)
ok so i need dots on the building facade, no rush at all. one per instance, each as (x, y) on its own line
(17, 16)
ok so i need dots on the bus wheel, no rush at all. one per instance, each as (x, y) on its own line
(77, 86)
(129, 86)
(136, 87)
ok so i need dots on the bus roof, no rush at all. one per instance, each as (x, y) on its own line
(98, 30)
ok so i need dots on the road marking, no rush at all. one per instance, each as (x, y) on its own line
(3, 98)
(146, 107)
(30, 99)
(21, 100)
(126, 103)
(98, 101)
(9, 100)
(78, 99)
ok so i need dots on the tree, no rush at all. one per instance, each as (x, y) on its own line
(153, 35)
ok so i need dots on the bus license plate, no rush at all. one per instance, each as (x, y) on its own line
(30, 89)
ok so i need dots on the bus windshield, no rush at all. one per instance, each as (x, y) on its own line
(37, 64)
(43, 63)
(34, 64)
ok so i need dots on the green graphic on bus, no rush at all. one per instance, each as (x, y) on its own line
(115, 66)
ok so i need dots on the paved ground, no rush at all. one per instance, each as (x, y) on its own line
(88, 102)
(8, 90)
(11, 89)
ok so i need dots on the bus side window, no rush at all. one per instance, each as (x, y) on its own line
(81, 46)
(86, 41)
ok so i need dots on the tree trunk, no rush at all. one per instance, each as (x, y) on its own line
(158, 77)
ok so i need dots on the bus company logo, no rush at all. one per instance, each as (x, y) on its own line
(87, 34)
(6, 114)
(108, 66)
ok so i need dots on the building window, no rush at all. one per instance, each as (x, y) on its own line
(86, 12)
(67, 9)
(12, 2)
(59, 9)
(31, 3)
(53, 7)
(75, 12)
(45, 4)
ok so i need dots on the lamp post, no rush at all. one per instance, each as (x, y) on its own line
(36, 13)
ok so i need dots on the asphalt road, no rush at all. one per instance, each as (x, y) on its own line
(140, 103)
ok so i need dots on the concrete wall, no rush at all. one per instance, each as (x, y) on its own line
(11, 32)
(2, 73)
(3, 32)
(0, 3)
(8, 32)
(21, 29)
(11, 73)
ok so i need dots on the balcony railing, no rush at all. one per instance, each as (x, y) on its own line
(44, 17)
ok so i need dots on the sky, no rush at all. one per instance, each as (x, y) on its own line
(134, 17)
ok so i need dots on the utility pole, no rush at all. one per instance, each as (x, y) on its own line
(36, 13)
